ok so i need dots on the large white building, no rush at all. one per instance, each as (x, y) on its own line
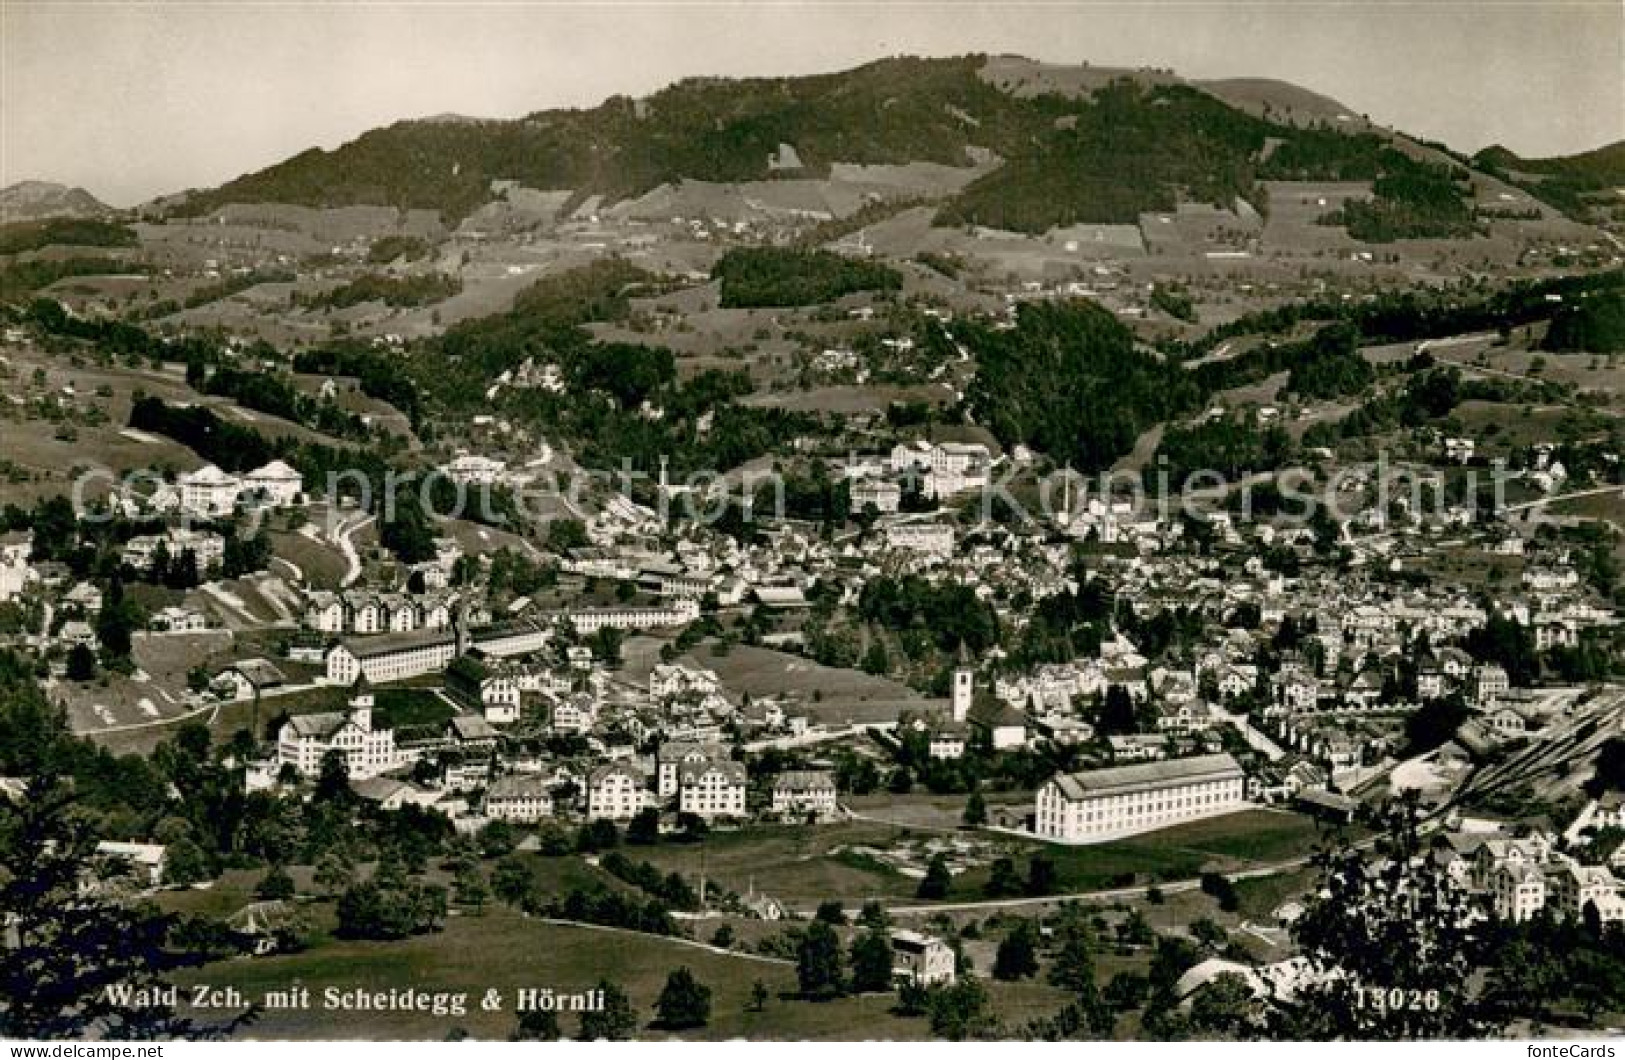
(277, 483)
(208, 491)
(1101, 804)
(391, 656)
(207, 549)
(616, 792)
(677, 613)
(948, 467)
(711, 789)
(473, 470)
(305, 739)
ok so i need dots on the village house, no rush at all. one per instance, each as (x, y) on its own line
(471, 681)
(1570, 887)
(1517, 891)
(1003, 727)
(803, 793)
(670, 758)
(711, 789)
(921, 959)
(247, 678)
(15, 572)
(519, 798)
(178, 620)
(144, 861)
(1490, 684)
(207, 549)
(615, 792)
(946, 740)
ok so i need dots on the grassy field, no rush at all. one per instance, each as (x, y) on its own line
(1261, 896)
(802, 867)
(404, 707)
(322, 565)
(798, 866)
(843, 697)
(503, 951)
(929, 811)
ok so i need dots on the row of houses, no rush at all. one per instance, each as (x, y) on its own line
(364, 612)
(1523, 877)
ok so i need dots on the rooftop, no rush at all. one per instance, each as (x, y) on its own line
(1148, 776)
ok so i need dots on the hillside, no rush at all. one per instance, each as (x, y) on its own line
(37, 200)
(1577, 184)
(1078, 145)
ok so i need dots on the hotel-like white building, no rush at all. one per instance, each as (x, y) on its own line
(1101, 804)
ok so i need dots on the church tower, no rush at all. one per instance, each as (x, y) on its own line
(964, 686)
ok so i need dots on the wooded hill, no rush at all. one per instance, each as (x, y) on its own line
(1130, 146)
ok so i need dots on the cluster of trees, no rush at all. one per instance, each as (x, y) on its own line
(1130, 149)
(399, 292)
(1571, 183)
(701, 426)
(783, 276)
(600, 905)
(1592, 325)
(825, 971)
(391, 248)
(68, 943)
(232, 447)
(1329, 365)
(1411, 200)
(378, 376)
(889, 112)
(21, 236)
(1175, 301)
(950, 613)
(1414, 313)
(670, 888)
(19, 279)
(1068, 381)
(275, 395)
(224, 287)
(390, 906)
(1232, 445)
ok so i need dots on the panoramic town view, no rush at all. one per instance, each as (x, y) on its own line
(950, 546)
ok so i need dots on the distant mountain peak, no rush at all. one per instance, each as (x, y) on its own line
(36, 200)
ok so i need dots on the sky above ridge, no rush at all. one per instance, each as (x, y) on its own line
(133, 99)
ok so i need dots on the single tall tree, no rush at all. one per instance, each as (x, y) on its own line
(819, 968)
(685, 1002)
